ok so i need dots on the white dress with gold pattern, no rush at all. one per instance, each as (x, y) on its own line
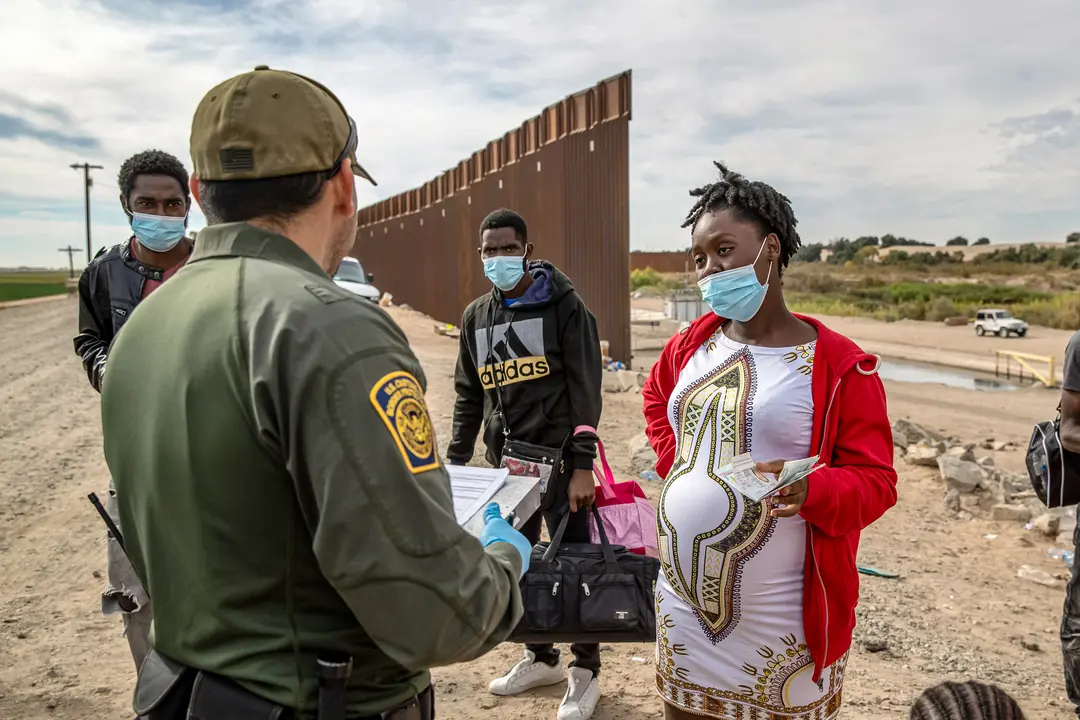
(730, 641)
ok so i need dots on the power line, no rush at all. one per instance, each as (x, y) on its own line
(87, 183)
(71, 258)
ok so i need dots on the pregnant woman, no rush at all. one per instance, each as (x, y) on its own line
(756, 601)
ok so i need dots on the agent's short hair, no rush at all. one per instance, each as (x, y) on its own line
(274, 199)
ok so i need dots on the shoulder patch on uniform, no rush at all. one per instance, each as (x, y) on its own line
(327, 295)
(399, 400)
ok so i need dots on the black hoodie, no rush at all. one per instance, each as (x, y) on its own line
(546, 361)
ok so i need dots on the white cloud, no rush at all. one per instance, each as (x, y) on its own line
(872, 116)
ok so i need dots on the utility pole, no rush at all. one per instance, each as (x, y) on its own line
(88, 183)
(71, 259)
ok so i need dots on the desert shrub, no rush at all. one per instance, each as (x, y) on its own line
(940, 309)
(645, 278)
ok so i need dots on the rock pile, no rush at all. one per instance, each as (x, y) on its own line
(620, 381)
(974, 486)
(642, 457)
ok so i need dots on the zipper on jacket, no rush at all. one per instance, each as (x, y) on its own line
(825, 598)
(813, 552)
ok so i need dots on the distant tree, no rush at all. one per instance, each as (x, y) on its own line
(842, 250)
(888, 241)
(1073, 237)
(867, 240)
(982, 241)
(809, 253)
(866, 255)
(957, 241)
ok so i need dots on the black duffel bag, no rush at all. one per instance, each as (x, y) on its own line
(1053, 470)
(580, 592)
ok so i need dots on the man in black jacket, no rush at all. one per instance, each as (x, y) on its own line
(154, 195)
(530, 369)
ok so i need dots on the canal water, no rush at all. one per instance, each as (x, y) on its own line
(902, 371)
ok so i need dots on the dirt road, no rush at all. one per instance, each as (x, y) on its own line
(958, 611)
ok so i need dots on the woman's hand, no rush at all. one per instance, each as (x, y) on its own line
(791, 497)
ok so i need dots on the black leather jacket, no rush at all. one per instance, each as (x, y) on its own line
(109, 289)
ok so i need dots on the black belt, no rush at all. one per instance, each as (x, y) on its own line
(418, 707)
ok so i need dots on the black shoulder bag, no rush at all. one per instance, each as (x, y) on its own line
(580, 592)
(1053, 469)
(525, 459)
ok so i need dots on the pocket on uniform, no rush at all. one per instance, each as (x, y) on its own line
(609, 603)
(543, 601)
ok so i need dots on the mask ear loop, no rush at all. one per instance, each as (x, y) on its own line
(754, 264)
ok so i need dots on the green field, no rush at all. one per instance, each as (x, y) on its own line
(20, 286)
(1041, 293)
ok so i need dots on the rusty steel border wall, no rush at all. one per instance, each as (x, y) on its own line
(663, 262)
(566, 171)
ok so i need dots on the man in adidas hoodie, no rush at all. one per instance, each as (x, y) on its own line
(530, 369)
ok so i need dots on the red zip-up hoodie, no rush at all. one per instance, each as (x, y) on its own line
(851, 434)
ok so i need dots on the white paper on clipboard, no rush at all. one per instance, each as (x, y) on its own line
(472, 488)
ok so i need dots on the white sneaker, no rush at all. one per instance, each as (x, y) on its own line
(526, 675)
(582, 694)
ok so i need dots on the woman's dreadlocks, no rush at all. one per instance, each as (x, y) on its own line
(965, 701)
(750, 202)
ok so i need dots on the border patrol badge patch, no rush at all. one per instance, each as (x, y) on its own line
(398, 399)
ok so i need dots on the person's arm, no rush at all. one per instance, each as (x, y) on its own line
(469, 402)
(1070, 420)
(1069, 431)
(655, 397)
(95, 333)
(583, 367)
(859, 484)
(350, 417)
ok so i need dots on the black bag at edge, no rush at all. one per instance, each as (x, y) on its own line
(1053, 469)
(580, 592)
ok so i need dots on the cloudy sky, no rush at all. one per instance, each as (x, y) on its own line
(926, 119)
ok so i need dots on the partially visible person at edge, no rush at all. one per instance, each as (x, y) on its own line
(756, 602)
(276, 468)
(1070, 440)
(530, 368)
(965, 701)
(154, 196)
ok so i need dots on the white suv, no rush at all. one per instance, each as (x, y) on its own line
(1000, 323)
(352, 277)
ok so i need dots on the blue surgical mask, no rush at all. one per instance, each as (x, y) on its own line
(505, 272)
(735, 294)
(158, 232)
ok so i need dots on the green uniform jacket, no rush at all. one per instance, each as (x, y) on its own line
(279, 485)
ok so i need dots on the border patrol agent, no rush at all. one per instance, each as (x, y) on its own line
(277, 472)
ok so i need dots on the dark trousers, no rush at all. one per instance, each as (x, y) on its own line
(586, 655)
(1070, 629)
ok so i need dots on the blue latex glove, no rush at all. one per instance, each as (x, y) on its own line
(496, 529)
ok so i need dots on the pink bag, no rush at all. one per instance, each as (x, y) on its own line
(629, 519)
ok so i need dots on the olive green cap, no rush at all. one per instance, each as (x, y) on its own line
(271, 123)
